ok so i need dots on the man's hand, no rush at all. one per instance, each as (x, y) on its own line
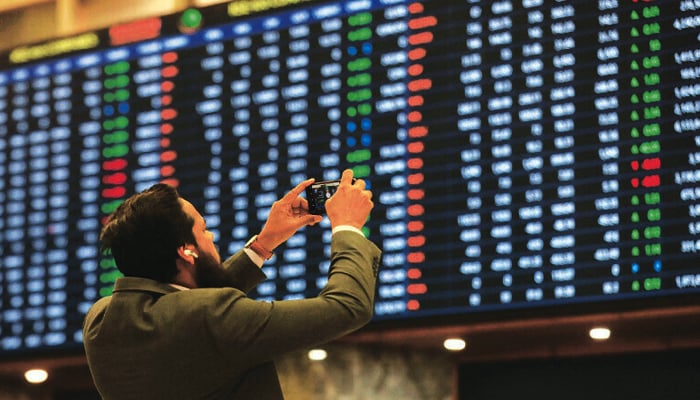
(351, 203)
(287, 216)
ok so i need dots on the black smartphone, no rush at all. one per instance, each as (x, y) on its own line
(318, 193)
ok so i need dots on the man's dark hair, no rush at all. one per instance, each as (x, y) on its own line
(144, 232)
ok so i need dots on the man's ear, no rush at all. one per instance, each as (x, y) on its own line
(187, 254)
(186, 267)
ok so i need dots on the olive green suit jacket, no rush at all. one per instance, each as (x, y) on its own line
(152, 341)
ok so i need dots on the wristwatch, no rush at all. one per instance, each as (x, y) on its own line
(258, 248)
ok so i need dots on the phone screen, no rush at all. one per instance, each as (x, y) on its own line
(318, 193)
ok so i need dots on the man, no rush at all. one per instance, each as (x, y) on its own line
(179, 324)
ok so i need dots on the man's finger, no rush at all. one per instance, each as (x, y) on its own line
(346, 179)
(298, 190)
(311, 220)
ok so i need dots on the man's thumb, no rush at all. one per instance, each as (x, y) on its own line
(312, 220)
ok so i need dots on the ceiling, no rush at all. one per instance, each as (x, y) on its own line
(662, 329)
(651, 330)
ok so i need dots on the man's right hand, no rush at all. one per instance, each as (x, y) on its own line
(351, 203)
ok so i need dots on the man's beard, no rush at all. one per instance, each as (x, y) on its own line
(210, 274)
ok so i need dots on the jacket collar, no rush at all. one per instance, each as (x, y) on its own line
(131, 284)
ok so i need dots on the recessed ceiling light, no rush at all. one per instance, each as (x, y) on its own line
(317, 354)
(599, 333)
(36, 376)
(454, 344)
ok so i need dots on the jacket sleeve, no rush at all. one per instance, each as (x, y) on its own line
(258, 331)
(243, 270)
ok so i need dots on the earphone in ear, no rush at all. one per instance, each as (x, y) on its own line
(191, 253)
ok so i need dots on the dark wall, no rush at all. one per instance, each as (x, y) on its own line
(668, 375)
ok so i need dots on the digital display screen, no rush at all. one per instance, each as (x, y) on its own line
(522, 154)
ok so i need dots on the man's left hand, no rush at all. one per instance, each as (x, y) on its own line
(287, 215)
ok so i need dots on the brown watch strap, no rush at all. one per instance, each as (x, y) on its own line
(259, 249)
